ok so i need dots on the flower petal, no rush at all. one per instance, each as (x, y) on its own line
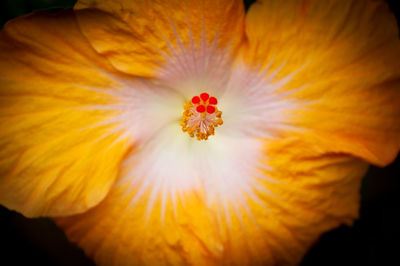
(134, 35)
(347, 55)
(57, 154)
(303, 194)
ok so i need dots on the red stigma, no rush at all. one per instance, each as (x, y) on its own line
(195, 99)
(204, 96)
(201, 116)
(200, 109)
(210, 109)
(213, 100)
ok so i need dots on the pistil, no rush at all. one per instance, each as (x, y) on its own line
(201, 116)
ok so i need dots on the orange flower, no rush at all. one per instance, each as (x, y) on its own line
(305, 95)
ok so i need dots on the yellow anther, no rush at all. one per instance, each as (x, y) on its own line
(201, 116)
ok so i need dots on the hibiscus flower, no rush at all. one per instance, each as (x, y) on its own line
(190, 132)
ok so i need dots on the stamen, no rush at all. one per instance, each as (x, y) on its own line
(196, 121)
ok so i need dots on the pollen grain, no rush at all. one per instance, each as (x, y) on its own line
(201, 116)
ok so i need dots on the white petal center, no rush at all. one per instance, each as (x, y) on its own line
(226, 167)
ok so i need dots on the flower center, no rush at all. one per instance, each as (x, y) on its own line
(201, 116)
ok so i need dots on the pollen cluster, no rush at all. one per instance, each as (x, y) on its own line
(201, 116)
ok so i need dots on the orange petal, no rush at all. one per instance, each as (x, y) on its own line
(304, 194)
(348, 57)
(134, 35)
(57, 155)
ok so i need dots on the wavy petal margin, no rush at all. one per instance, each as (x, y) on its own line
(135, 35)
(347, 55)
(57, 156)
(304, 194)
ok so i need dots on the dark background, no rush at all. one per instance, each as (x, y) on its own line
(373, 240)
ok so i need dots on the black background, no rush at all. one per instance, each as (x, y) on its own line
(373, 240)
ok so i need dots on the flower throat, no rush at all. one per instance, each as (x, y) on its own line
(201, 116)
